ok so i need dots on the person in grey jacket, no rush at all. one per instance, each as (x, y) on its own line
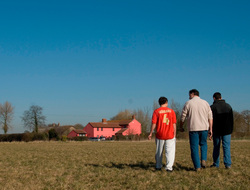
(199, 123)
(223, 123)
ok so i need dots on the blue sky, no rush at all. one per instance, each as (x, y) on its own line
(87, 60)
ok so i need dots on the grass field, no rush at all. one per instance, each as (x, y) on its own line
(114, 165)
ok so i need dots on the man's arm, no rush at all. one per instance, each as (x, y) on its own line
(210, 121)
(151, 132)
(183, 117)
(181, 126)
(174, 125)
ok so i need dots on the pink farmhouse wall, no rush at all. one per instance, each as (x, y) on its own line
(134, 128)
(105, 132)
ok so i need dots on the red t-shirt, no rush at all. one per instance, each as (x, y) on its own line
(164, 118)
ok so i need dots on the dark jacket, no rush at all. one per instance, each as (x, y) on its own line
(223, 120)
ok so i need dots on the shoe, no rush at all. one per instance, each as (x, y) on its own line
(228, 167)
(203, 164)
(169, 171)
(158, 169)
(197, 169)
(213, 166)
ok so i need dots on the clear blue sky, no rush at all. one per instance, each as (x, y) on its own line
(87, 60)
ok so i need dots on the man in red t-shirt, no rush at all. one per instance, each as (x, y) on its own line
(164, 120)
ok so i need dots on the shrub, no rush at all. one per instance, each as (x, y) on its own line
(11, 137)
(128, 137)
(64, 138)
(53, 134)
(40, 136)
(79, 138)
(27, 137)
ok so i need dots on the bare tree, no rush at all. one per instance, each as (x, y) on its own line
(78, 126)
(143, 116)
(33, 118)
(126, 114)
(246, 116)
(155, 105)
(177, 107)
(6, 116)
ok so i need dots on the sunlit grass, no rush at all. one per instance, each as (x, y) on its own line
(114, 165)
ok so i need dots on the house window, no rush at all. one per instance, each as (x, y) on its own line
(113, 129)
(97, 128)
(102, 129)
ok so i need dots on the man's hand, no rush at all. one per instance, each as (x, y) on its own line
(210, 134)
(150, 136)
(151, 131)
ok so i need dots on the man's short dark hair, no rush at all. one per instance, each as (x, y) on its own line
(195, 92)
(217, 95)
(162, 100)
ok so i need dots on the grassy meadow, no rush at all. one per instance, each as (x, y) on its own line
(114, 165)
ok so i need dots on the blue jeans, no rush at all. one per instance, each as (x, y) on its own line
(196, 139)
(226, 141)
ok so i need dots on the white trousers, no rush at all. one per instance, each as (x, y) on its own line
(169, 146)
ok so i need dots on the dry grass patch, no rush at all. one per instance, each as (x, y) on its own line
(113, 165)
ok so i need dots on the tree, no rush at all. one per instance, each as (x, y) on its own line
(53, 134)
(177, 109)
(246, 117)
(33, 118)
(126, 114)
(78, 126)
(6, 116)
(143, 116)
(155, 105)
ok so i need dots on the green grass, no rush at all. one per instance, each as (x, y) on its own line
(114, 165)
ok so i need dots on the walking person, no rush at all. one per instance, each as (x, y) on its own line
(199, 122)
(164, 121)
(222, 130)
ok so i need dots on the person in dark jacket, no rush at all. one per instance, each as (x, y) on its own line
(222, 130)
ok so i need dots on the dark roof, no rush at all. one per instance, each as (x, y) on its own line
(111, 123)
(62, 129)
(79, 131)
(105, 125)
(121, 131)
(121, 122)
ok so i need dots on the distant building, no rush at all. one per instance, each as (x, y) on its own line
(63, 130)
(77, 133)
(110, 128)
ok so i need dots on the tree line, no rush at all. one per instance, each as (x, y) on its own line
(33, 118)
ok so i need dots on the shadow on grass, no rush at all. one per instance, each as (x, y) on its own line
(139, 165)
(179, 167)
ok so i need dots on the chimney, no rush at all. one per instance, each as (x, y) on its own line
(133, 116)
(104, 121)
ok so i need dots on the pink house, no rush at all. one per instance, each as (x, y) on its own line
(110, 128)
(77, 133)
